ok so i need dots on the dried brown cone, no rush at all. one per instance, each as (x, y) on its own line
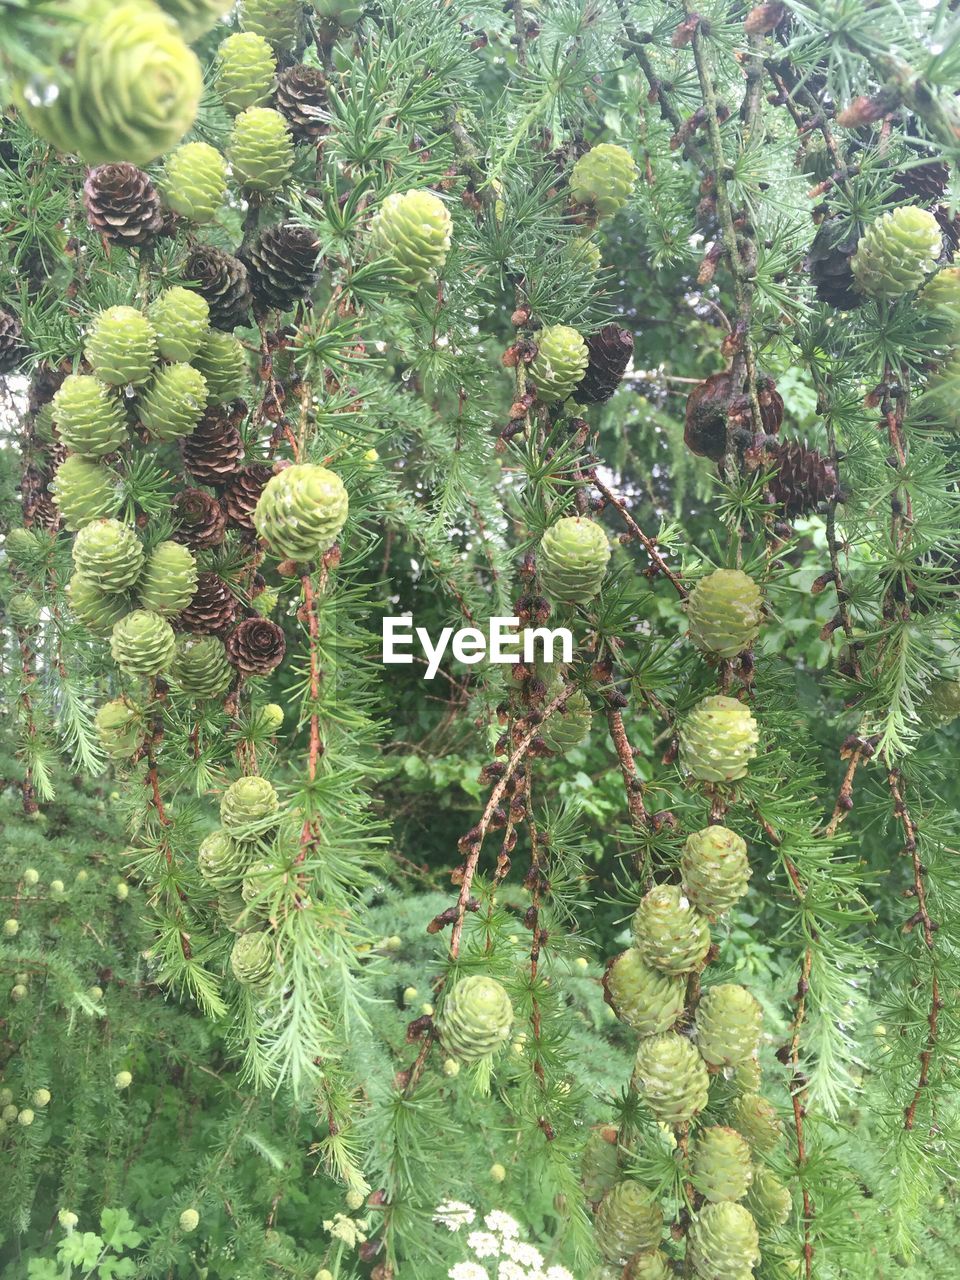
(213, 608)
(610, 351)
(212, 452)
(203, 522)
(256, 647)
(923, 183)
(804, 479)
(301, 98)
(829, 264)
(222, 280)
(122, 204)
(242, 494)
(282, 265)
(12, 346)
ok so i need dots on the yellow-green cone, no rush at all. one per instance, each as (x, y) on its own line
(671, 1077)
(90, 419)
(108, 554)
(567, 726)
(200, 668)
(669, 932)
(941, 705)
(718, 740)
(724, 613)
(301, 511)
(412, 230)
(122, 347)
(279, 21)
(194, 181)
(940, 300)
(757, 1119)
(246, 76)
(222, 862)
(646, 1266)
(23, 610)
(169, 579)
(261, 149)
(84, 491)
(604, 178)
(180, 319)
(729, 1022)
(252, 960)
(97, 610)
(715, 868)
(897, 253)
(599, 1165)
(174, 402)
(223, 365)
(940, 402)
(768, 1200)
(195, 17)
(628, 1219)
(142, 643)
(645, 998)
(720, 1164)
(723, 1242)
(249, 807)
(572, 559)
(119, 729)
(476, 1018)
(561, 361)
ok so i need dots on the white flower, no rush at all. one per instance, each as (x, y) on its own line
(346, 1229)
(484, 1244)
(468, 1271)
(497, 1220)
(525, 1254)
(558, 1273)
(454, 1214)
(511, 1271)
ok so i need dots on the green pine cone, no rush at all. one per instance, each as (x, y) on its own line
(222, 862)
(568, 725)
(720, 1164)
(604, 177)
(252, 960)
(342, 13)
(476, 1018)
(941, 706)
(716, 870)
(768, 1200)
(561, 361)
(572, 559)
(723, 1242)
(223, 365)
(119, 729)
(279, 21)
(669, 932)
(97, 610)
(174, 402)
(724, 613)
(301, 511)
(122, 347)
(940, 300)
(647, 1266)
(756, 1118)
(127, 91)
(258, 890)
(643, 997)
(22, 546)
(628, 1219)
(108, 554)
(142, 643)
(261, 149)
(195, 18)
(747, 1075)
(194, 181)
(200, 668)
(412, 230)
(671, 1077)
(599, 1162)
(718, 740)
(23, 610)
(169, 579)
(941, 399)
(232, 910)
(582, 254)
(729, 1023)
(897, 253)
(181, 319)
(249, 807)
(246, 77)
(90, 421)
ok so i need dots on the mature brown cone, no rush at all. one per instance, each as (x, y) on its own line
(12, 348)
(222, 280)
(122, 204)
(301, 98)
(212, 609)
(950, 230)
(203, 522)
(923, 184)
(256, 647)
(714, 405)
(213, 451)
(242, 494)
(829, 263)
(282, 265)
(804, 479)
(610, 351)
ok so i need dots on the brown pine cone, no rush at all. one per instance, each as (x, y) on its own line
(282, 265)
(203, 522)
(242, 493)
(705, 432)
(804, 478)
(213, 451)
(12, 347)
(222, 280)
(923, 184)
(610, 352)
(122, 204)
(301, 98)
(829, 264)
(950, 230)
(212, 609)
(256, 647)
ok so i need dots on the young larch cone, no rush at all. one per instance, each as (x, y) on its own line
(610, 350)
(282, 265)
(242, 493)
(122, 204)
(213, 451)
(301, 98)
(256, 647)
(804, 477)
(203, 521)
(212, 609)
(222, 280)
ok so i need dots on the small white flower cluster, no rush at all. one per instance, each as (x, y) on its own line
(498, 1246)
